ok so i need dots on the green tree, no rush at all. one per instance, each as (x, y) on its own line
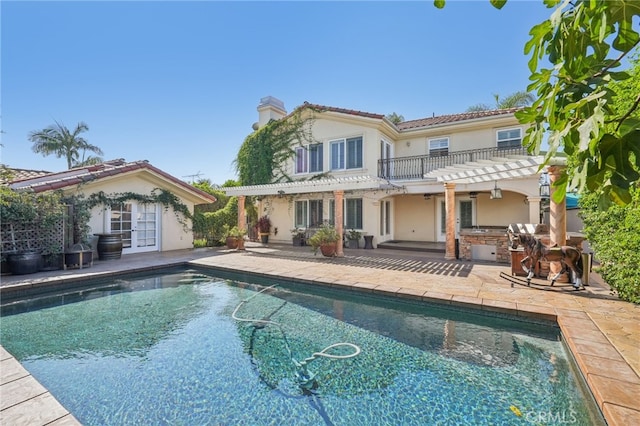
(395, 118)
(614, 232)
(61, 142)
(574, 57)
(514, 100)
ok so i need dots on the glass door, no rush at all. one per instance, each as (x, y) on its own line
(138, 225)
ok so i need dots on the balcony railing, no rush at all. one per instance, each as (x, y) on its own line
(406, 168)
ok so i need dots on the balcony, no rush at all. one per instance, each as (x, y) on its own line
(413, 168)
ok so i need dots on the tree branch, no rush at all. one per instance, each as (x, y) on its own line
(628, 113)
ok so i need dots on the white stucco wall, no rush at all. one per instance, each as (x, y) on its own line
(172, 235)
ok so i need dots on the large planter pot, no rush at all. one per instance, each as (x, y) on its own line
(353, 244)
(232, 243)
(109, 246)
(298, 241)
(328, 249)
(264, 238)
(28, 262)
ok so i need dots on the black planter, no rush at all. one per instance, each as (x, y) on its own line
(353, 244)
(22, 263)
(264, 238)
(109, 246)
(298, 241)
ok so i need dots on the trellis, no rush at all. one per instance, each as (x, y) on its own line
(23, 236)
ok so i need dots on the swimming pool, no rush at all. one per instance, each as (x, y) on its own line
(169, 349)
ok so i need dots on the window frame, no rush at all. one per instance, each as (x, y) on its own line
(306, 161)
(341, 157)
(509, 141)
(441, 151)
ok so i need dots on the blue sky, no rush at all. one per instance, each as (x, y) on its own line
(178, 83)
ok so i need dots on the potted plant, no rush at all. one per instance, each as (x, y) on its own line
(353, 238)
(298, 235)
(264, 229)
(52, 258)
(326, 238)
(234, 237)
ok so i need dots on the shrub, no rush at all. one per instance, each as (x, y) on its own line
(614, 235)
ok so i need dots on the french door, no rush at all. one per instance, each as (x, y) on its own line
(465, 216)
(138, 224)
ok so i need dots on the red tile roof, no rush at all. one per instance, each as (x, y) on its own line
(453, 118)
(342, 110)
(79, 175)
(419, 123)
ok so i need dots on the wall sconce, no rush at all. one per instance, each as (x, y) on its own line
(545, 189)
(280, 193)
(408, 143)
(473, 194)
(427, 197)
(544, 185)
(496, 193)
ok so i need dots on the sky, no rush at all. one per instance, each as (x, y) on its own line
(178, 83)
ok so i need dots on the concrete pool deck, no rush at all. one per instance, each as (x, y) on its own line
(602, 332)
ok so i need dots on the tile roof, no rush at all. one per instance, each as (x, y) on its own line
(342, 110)
(22, 174)
(453, 118)
(421, 122)
(79, 175)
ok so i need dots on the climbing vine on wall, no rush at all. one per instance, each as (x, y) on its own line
(158, 196)
(264, 154)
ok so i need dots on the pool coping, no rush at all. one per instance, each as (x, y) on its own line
(611, 380)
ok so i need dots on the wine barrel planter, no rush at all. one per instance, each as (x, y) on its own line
(109, 246)
(27, 262)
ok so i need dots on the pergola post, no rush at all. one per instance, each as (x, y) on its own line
(450, 207)
(339, 197)
(242, 220)
(557, 218)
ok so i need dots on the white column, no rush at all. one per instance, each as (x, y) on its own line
(534, 209)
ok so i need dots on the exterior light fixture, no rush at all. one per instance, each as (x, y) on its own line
(473, 194)
(496, 193)
(280, 193)
(545, 186)
(427, 197)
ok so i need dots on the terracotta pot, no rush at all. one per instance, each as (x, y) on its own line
(328, 249)
(232, 243)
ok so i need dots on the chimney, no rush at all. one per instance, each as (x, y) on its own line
(270, 108)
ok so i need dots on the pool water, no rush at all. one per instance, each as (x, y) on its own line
(166, 350)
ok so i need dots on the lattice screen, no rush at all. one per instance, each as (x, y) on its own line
(32, 236)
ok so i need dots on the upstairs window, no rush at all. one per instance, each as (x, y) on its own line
(309, 158)
(346, 153)
(509, 138)
(439, 147)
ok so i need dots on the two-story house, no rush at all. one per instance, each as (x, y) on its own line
(423, 180)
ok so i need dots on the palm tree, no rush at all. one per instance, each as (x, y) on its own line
(58, 140)
(514, 100)
(395, 118)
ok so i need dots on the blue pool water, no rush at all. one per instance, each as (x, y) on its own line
(166, 350)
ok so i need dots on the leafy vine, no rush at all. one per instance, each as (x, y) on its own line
(157, 196)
